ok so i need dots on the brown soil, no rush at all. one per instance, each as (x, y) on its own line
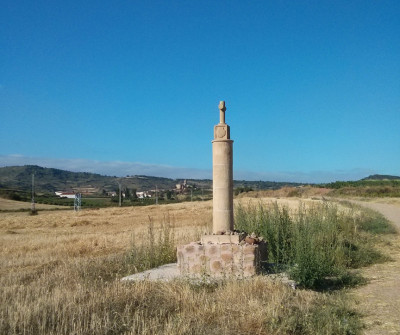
(379, 300)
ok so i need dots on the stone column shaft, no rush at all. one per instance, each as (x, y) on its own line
(222, 186)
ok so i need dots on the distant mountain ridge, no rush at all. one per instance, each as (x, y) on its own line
(19, 178)
(381, 177)
(50, 180)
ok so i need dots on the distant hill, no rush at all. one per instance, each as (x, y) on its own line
(50, 180)
(19, 178)
(373, 186)
(381, 177)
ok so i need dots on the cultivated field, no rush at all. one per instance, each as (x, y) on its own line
(60, 271)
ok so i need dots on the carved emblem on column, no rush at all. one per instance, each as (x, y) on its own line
(222, 130)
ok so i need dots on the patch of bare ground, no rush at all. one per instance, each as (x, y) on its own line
(303, 192)
(292, 203)
(379, 300)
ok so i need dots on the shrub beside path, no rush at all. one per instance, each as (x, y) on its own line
(379, 300)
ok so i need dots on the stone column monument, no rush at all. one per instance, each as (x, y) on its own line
(222, 176)
(226, 252)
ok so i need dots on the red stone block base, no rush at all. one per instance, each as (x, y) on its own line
(221, 260)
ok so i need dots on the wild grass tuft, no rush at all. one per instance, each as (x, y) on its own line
(155, 248)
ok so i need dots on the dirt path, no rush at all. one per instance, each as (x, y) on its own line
(379, 300)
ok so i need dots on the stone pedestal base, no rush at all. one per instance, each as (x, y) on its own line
(222, 239)
(221, 260)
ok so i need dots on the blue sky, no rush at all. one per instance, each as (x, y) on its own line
(312, 88)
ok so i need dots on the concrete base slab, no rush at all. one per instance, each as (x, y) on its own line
(169, 272)
(165, 272)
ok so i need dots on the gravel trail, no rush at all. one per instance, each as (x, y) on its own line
(379, 300)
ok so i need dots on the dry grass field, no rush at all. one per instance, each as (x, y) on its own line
(11, 205)
(51, 259)
(56, 234)
(60, 271)
(52, 236)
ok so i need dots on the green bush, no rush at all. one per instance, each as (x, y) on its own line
(315, 245)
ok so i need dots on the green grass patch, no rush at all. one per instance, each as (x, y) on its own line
(375, 223)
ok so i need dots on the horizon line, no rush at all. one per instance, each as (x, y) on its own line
(122, 169)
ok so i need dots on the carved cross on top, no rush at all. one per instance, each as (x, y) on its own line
(222, 110)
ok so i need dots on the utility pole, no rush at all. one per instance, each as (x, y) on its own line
(191, 194)
(33, 209)
(156, 195)
(119, 186)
